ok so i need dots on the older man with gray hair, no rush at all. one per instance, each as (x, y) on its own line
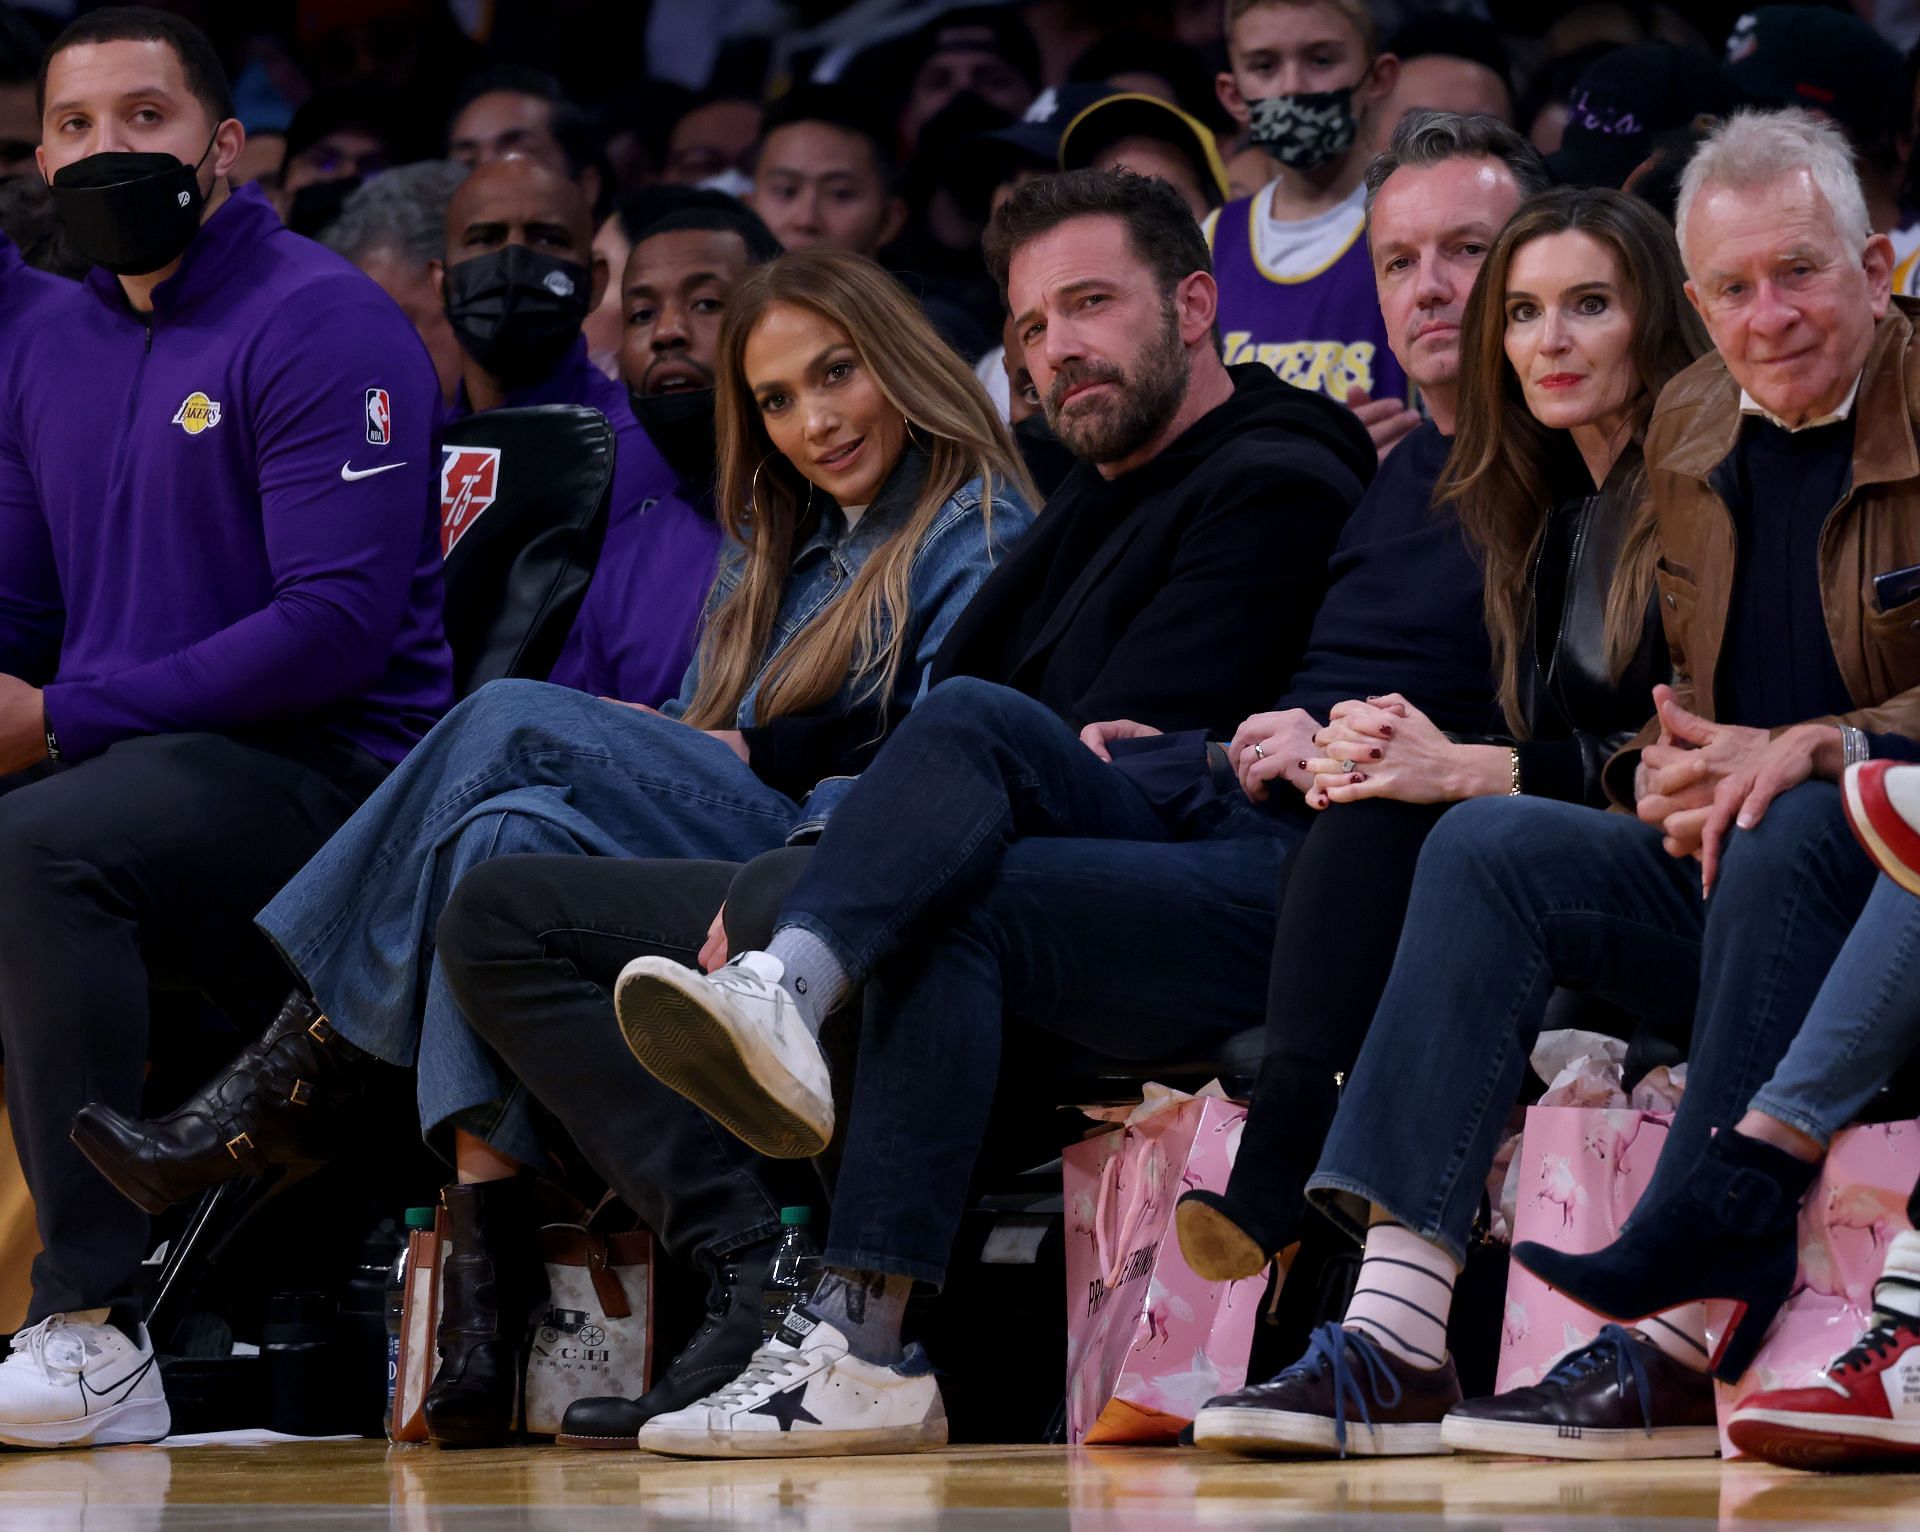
(1785, 485)
(393, 229)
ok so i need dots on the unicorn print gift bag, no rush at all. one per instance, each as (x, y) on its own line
(1576, 1177)
(1148, 1342)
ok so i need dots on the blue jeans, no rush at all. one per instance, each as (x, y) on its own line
(1865, 1022)
(990, 868)
(1516, 895)
(519, 767)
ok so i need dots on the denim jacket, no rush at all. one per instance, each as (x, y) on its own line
(953, 559)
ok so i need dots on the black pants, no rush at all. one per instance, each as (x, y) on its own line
(139, 869)
(1343, 900)
(531, 946)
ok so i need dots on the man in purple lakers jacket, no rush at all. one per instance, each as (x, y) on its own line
(219, 627)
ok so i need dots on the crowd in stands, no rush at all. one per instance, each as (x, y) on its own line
(1125, 523)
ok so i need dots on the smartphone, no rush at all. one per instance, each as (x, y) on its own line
(1895, 588)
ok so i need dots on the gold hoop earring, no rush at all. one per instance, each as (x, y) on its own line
(753, 487)
(908, 424)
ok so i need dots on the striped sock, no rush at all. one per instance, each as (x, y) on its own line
(1681, 1333)
(1404, 1294)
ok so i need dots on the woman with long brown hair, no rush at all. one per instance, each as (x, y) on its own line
(1577, 320)
(867, 487)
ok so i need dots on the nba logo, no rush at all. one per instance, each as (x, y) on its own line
(379, 417)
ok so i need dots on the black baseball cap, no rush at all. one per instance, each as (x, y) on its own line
(1134, 114)
(1036, 136)
(996, 29)
(1626, 99)
(1830, 61)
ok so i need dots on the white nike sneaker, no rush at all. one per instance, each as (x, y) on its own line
(732, 1042)
(69, 1383)
(802, 1395)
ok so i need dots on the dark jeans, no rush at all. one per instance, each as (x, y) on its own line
(1343, 898)
(531, 947)
(140, 868)
(988, 867)
(1514, 895)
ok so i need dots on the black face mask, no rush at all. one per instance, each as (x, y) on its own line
(681, 425)
(318, 204)
(131, 213)
(517, 312)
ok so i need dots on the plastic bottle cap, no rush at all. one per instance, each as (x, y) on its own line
(419, 1218)
(792, 1216)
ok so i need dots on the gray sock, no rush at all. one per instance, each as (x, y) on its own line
(814, 976)
(866, 1307)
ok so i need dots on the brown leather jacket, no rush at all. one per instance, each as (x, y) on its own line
(1875, 529)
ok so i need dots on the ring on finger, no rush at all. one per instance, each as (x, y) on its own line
(1259, 752)
(1346, 766)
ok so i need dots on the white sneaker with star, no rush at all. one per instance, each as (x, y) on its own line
(802, 1395)
(70, 1383)
(732, 1042)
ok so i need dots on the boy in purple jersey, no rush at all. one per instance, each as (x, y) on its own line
(219, 626)
(1296, 283)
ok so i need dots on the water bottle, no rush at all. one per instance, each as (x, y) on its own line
(362, 1341)
(417, 1218)
(792, 1272)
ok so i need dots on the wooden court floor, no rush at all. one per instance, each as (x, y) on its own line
(347, 1487)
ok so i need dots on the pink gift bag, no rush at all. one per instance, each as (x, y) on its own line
(1578, 1173)
(1148, 1342)
(1856, 1206)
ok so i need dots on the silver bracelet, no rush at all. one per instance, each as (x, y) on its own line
(1854, 746)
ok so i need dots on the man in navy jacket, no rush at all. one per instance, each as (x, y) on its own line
(219, 627)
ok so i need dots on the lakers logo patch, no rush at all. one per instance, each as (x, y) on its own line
(197, 413)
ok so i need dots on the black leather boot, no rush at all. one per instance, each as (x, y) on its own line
(1729, 1231)
(275, 1107)
(494, 1278)
(717, 1354)
(1227, 1236)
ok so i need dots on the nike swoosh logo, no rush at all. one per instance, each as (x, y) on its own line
(350, 473)
(123, 1388)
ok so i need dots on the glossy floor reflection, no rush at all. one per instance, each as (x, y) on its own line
(356, 1487)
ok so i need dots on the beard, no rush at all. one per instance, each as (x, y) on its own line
(1142, 402)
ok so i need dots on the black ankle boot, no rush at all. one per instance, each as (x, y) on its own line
(494, 1279)
(717, 1354)
(276, 1106)
(1730, 1231)
(1224, 1240)
(1227, 1236)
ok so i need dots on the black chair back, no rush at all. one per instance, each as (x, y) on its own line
(523, 512)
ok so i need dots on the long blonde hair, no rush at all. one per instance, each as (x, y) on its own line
(1500, 474)
(764, 504)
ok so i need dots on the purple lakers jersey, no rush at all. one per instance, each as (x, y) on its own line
(1321, 331)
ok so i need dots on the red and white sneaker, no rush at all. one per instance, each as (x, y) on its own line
(1865, 1408)
(1882, 800)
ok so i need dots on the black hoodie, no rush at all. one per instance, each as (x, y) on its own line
(1180, 594)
